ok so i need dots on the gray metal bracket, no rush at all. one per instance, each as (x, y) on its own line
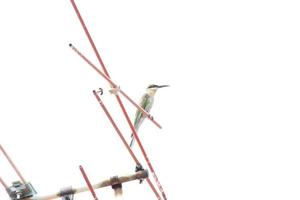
(19, 191)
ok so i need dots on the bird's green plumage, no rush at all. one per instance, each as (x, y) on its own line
(138, 116)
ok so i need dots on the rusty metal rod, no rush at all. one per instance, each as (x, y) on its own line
(116, 128)
(89, 38)
(88, 183)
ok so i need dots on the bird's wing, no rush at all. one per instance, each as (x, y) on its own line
(149, 104)
(144, 104)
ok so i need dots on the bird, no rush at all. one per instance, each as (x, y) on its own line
(146, 103)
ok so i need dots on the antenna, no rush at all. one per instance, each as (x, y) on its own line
(23, 190)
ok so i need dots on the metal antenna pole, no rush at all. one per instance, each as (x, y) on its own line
(13, 165)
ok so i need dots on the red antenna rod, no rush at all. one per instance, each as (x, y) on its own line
(88, 182)
(3, 183)
(123, 140)
(115, 85)
(116, 128)
(153, 188)
(12, 164)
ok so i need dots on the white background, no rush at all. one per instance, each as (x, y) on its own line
(230, 118)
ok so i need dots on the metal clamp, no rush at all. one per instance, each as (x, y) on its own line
(115, 182)
(116, 185)
(19, 191)
(138, 168)
(67, 193)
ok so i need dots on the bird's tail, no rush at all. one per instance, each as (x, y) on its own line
(132, 140)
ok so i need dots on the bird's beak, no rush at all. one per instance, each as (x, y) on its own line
(162, 86)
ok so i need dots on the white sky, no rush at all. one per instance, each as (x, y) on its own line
(230, 118)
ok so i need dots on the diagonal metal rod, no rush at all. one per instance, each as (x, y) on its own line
(116, 128)
(89, 38)
(103, 66)
(12, 164)
(88, 182)
(114, 85)
(3, 183)
(153, 188)
(123, 140)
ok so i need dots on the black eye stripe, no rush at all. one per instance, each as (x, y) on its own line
(152, 86)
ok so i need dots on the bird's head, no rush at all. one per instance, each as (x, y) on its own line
(151, 89)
